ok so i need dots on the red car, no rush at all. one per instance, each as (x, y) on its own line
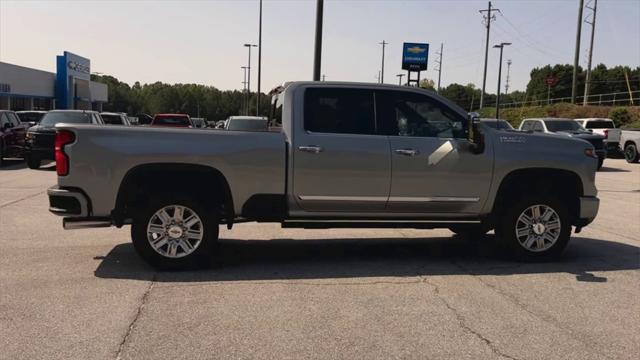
(172, 120)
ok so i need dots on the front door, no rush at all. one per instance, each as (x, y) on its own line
(434, 169)
(340, 164)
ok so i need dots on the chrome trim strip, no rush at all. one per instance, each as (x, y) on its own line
(433, 199)
(342, 198)
(392, 198)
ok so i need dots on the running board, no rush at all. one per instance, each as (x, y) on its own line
(71, 223)
(411, 224)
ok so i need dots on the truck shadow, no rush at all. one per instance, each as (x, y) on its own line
(287, 259)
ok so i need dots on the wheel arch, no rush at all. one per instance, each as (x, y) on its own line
(199, 180)
(563, 183)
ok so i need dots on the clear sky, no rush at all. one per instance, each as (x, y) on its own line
(201, 41)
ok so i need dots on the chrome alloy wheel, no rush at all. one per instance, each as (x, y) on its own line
(175, 231)
(538, 228)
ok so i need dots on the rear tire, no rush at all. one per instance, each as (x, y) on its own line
(174, 233)
(32, 162)
(631, 153)
(535, 235)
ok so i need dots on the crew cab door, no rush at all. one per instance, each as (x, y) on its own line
(340, 164)
(434, 167)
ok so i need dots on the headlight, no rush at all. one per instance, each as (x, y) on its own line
(29, 135)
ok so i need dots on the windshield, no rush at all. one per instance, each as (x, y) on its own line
(52, 118)
(563, 125)
(172, 120)
(112, 119)
(247, 124)
(30, 117)
(600, 124)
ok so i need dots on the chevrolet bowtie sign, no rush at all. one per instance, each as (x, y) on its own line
(415, 56)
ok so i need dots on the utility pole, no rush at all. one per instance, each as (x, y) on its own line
(576, 58)
(439, 62)
(249, 46)
(383, 43)
(501, 47)
(244, 90)
(324, 77)
(506, 86)
(317, 54)
(378, 77)
(488, 18)
(400, 78)
(587, 83)
(259, 59)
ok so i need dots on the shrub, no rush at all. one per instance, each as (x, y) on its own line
(620, 116)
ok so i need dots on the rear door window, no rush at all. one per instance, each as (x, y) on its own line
(337, 110)
(537, 126)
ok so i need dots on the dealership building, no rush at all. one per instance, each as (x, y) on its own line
(23, 88)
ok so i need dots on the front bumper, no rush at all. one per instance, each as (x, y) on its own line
(68, 202)
(589, 206)
(40, 153)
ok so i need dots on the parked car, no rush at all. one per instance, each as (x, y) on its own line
(144, 119)
(629, 145)
(498, 124)
(332, 165)
(111, 118)
(199, 122)
(172, 120)
(12, 135)
(246, 123)
(566, 127)
(30, 117)
(606, 128)
(40, 141)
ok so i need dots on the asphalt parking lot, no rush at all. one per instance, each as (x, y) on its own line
(297, 294)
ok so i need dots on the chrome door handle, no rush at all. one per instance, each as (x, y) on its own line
(310, 148)
(407, 152)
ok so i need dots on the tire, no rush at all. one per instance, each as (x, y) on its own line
(32, 162)
(631, 153)
(600, 162)
(1, 154)
(554, 234)
(172, 243)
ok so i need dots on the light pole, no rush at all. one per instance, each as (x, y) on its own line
(501, 46)
(400, 78)
(244, 89)
(317, 52)
(249, 46)
(259, 59)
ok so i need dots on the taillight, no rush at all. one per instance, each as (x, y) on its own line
(606, 134)
(63, 137)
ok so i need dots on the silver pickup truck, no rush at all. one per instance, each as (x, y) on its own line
(347, 155)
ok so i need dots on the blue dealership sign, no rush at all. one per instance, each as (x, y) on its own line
(69, 67)
(415, 56)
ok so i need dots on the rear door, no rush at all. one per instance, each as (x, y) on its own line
(434, 169)
(19, 132)
(340, 163)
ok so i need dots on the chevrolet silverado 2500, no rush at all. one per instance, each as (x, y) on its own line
(347, 155)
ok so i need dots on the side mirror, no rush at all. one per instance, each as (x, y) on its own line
(474, 136)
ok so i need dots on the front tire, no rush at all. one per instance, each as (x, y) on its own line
(535, 228)
(631, 153)
(600, 163)
(32, 162)
(174, 233)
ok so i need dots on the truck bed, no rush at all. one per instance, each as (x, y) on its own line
(252, 162)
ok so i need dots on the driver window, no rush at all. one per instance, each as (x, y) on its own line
(404, 113)
(4, 120)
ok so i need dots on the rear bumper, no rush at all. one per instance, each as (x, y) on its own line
(589, 206)
(68, 202)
